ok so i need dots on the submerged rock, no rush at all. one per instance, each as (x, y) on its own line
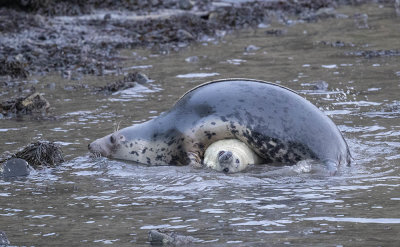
(251, 48)
(168, 238)
(320, 85)
(192, 59)
(141, 78)
(127, 82)
(14, 167)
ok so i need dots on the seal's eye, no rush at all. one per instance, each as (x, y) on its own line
(226, 170)
(237, 161)
(220, 153)
(112, 139)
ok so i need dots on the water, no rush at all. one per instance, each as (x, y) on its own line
(91, 202)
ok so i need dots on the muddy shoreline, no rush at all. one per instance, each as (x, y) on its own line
(75, 38)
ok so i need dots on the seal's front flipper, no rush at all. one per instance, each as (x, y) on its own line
(331, 167)
(194, 160)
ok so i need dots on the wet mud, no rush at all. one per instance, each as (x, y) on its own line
(84, 37)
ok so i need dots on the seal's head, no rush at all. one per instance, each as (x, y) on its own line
(108, 146)
(127, 144)
(229, 156)
(229, 162)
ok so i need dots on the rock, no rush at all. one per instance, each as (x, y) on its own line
(323, 13)
(192, 59)
(4, 242)
(275, 32)
(361, 21)
(374, 53)
(251, 48)
(320, 85)
(107, 17)
(14, 167)
(184, 35)
(141, 78)
(165, 238)
(337, 43)
(127, 82)
(34, 103)
(185, 4)
(51, 86)
(13, 67)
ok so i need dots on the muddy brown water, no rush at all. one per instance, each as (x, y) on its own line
(93, 202)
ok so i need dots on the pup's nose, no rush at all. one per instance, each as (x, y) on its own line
(226, 156)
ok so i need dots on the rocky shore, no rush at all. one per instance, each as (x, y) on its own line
(39, 36)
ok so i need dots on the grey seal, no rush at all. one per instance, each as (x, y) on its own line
(275, 122)
(230, 156)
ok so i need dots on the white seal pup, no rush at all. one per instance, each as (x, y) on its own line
(275, 122)
(230, 156)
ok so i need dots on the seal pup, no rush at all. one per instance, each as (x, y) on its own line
(230, 156)
(275, 122)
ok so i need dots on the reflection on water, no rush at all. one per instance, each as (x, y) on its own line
(92, 202)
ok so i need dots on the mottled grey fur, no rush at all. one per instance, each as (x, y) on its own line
(277, 123)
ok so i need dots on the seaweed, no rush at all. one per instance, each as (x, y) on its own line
(41, 154)
(33, 104)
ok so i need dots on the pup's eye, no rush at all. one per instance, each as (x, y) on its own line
(220, 153)
(237, 161)
(112, 139)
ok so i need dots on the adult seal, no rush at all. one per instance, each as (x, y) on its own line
(275, 122)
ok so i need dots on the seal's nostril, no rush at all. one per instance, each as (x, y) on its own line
(226, 170)
(112, 139)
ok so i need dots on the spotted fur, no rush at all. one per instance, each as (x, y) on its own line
(275, 122)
